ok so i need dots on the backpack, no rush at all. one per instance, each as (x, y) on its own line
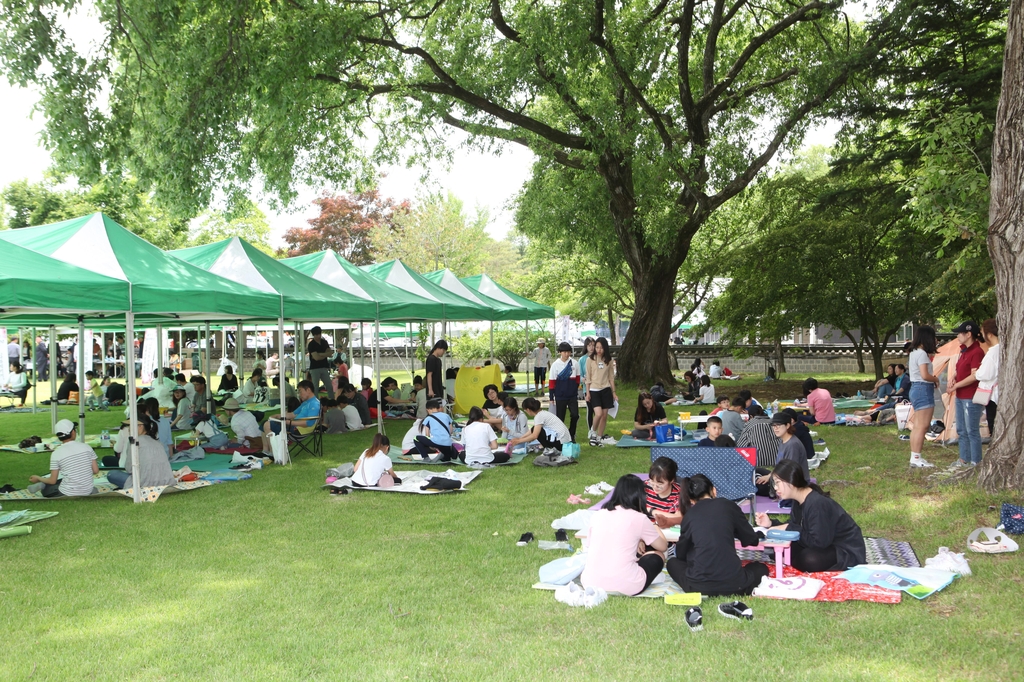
(565, 388)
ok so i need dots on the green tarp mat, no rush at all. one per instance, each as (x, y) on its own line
(305, 299)
(162, 286)
(395, 304)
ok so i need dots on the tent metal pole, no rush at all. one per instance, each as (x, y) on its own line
(103, 353)
(53, 380)
(300, 356)
(528, 357)
(240, 352)
(376, 364)
(133, 410)
(362, 353)
(159, 373)
(206, 368)
(282, 375)
(81, 381)
(35, 373)
(492, 342)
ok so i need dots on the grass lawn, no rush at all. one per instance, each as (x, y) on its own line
(273, 578)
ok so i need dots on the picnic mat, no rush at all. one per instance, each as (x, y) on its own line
(917, 582)
(764, 504)
(208, 463)
(852, 404)
(11, 519)
(52, 442)
(413, 480)
(891, 553)
(409, 459)
(104, 489)
(662, 586)
(630, 442)
(837, 589)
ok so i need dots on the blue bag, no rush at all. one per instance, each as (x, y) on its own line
(571, 450)
(665, 433)
(1012, 518)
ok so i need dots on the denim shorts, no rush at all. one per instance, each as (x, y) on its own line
(922, 395)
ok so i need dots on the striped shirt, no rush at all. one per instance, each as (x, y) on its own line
(667, 505)
(73, 461)
(758, 434)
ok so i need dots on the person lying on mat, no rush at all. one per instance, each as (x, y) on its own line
(513, 421)
(72, 466)
(626, 552)
(547, 428)
(436, 432)
(706, 559)
(714, 429)
(374, 463)
(663, 493)
(154, 465)
(649, 414)
(478, 440)
(830, 540)
(305, 415)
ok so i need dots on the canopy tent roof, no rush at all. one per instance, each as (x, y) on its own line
(398, 274)
(500, 310)
(31, 283)
(161, 285)
(488, 287)
(303, 298)
(394, 303)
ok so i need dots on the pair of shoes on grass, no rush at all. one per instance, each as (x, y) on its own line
(574, 595)
(735, 610)
(527, 538)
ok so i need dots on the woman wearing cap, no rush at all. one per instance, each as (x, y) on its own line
(923, 383)
(988, 374)
(790, 448)
(154, 466)
(541, 360)
(963, 386)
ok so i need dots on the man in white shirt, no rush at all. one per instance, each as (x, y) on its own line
(244, 424)
(72, 467)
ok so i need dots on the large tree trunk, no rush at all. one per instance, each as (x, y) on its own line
(1003, 466)
(780, 357)
(858, 345)
(644, 355)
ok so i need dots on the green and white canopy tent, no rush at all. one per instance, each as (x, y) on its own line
(453, 307)
(161, 288)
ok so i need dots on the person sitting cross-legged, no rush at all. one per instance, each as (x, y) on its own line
(72, 466)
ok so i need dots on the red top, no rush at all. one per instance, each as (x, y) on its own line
(970, 358)
(668, 505)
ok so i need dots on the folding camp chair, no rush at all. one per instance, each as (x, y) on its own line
(731, 470)
(309, 438)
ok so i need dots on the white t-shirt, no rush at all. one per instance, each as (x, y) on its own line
(353, 422)
(245, 426)
(988, 372)
(371, 468)
(477, 437)
(409, 440)
(73, 461)
(715, 372)
(707, 394)
(553, 424)
(917, 358)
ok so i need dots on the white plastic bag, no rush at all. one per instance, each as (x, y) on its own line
(902, 415)
(279, 447)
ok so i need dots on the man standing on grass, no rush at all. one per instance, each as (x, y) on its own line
(434, 371)
(42, 360)
(319, 352)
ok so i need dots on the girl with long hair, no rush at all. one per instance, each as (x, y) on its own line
(374, 463)
(478, 441)
(649, 413)
(601, 386)
(923, 383)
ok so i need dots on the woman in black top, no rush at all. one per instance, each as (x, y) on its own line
(649, 413)
(228, 380)
(829, 539)
(706, 559)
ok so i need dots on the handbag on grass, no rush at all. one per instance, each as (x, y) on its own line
(1012, 518)
(571, 450)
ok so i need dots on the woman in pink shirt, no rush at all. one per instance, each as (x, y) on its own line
(819, 404)
(626, 551)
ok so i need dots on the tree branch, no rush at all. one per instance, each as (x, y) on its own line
(498, 19)
(732, 98)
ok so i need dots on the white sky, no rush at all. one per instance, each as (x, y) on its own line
(478, 179)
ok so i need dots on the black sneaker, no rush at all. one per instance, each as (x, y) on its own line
(525, 539)
(736, 610)
(561, 535)
(695, 619)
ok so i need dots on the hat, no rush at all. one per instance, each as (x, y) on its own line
(781, 418)
(315, 330)
(564, 347)
(179, 388)
(969, 326)
(231, 404)
(541, 340)
(64, 428)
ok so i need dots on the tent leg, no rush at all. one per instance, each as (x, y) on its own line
(282, 373)
(53, 380)
(376, 364)
(362, 353)
(207, 371)
(159, 373)
(81, 381)
(133, 406)
(35, 375)
(528, 357)
(240, 352)
(492, 342)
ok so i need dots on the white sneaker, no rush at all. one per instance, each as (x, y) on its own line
(609, 440)
(593, 596)
(595, 489)
(606, 487)
(571, 594)
(921, 463)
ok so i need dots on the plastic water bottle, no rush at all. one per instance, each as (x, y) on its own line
(105, 438)
(859, 395)
(775, 406)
